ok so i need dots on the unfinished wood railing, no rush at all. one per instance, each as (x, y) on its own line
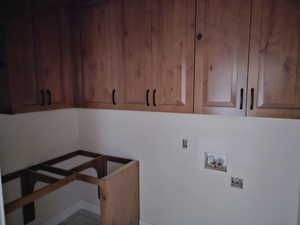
(118, 191)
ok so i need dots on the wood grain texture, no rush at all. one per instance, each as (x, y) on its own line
(37, 57)
(173, 32)
(24, 86)
(222, 56)
(52, 52)
(101, 53)
(275, 59)
(137, 75)
(120, 196)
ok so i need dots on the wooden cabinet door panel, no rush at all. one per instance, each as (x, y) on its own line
(25, 84)
(52, 53)
(274, 76)
(222, 56)
(137, 76)
(102, 52)
(173, 29)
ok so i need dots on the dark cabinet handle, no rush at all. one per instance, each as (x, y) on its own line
(114, 97)
(242, 99)
(199, 36)
(252, 99)
(154, 97)
(43, 97)
(147, 97)
(49, 97)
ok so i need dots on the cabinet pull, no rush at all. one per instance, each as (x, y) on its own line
(199, 36)
(114, 97)
(242, 99)
(43, 97)
(154, 97)
(49, 97)
(147, 97)
(252, 99)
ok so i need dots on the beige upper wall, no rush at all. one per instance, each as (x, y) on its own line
(175, 187)
(30, 138)
(27, 139)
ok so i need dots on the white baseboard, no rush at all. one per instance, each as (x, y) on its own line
(73, 209)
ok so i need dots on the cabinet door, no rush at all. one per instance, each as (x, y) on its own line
(274, 75)
(52, 52)
(173, 29)
(222, 56)
(137, 77)
(102, 53)
(25, 89)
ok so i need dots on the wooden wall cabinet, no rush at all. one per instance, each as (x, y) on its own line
(274, 69)
(100, 54)
(36, 72)
(136, 76)
(20, 87)
(234, 57)
(173, 35)
(137, 55)
(266, 84)
(114, 63)
(222, 56)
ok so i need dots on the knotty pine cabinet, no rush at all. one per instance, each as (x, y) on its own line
(222, 48)
(36, 69)
(173, 35)
(274, 66)
(19, 90)
(137, 54)
(227, 80)
(233, 57)
(100, 54)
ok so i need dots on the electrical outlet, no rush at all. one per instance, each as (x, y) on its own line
(184, 143)
(237, 182)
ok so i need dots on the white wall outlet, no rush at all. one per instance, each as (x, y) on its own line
(216, 161)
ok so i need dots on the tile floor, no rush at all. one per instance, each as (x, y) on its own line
(82, 217)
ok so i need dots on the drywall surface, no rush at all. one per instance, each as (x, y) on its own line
(31, 138)
(175, 187)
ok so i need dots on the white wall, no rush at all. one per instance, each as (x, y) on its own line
(175, 187)
(31, 138)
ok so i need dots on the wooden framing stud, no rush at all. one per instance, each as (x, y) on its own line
(120, 187)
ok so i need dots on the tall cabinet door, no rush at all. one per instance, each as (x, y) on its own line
(26, 92)
(102, 53)
(274, 76)
(52, 52)
(222, 56)
(136, 77)
(173, 29)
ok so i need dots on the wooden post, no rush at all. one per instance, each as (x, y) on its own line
(27, 187)
(120, 203)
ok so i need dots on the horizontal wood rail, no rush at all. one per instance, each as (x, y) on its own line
(33, 174)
